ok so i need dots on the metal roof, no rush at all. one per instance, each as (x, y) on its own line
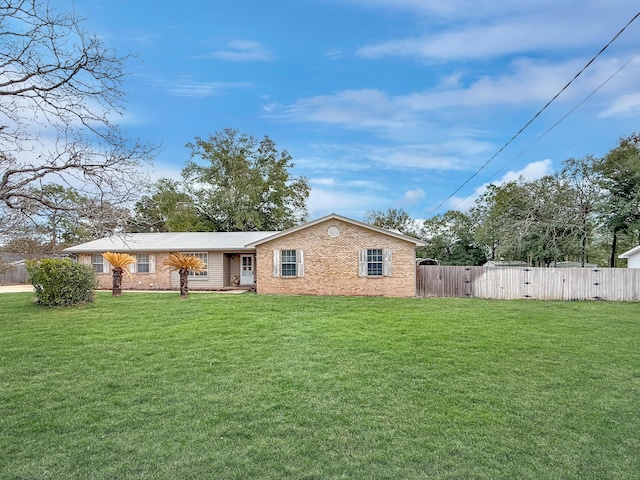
(171, 241)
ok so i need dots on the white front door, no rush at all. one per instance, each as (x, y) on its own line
(246, 270)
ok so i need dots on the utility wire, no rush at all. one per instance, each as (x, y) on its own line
(559, 121)
(535, 116)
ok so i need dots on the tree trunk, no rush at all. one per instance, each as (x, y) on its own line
(117, 282)
(184, 282)
(614, 247)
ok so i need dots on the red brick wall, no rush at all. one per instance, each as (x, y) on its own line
(331, 264)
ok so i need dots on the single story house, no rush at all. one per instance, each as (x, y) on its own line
(332, 255)
(632, 256)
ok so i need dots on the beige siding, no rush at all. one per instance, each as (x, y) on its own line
(331, 264)
(214, 278)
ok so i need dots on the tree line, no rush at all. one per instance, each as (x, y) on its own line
(587, 212)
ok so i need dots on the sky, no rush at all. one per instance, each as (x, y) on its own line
(381, 103)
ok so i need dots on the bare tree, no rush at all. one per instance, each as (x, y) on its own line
(59, 91)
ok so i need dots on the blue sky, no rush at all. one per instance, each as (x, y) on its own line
(381, 103)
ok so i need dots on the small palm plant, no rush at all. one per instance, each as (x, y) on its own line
(184, 264)
(119, 264)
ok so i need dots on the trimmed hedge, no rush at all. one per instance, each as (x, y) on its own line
(62, 282)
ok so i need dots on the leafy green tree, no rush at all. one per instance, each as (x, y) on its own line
(532, 221)
(392, 219)
(168, 209)
(61, 211)
(239, 183)
(618, 173)
(450, 240)
(578, 173)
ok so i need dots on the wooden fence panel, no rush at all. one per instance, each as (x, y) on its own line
(506, 283)
(16, 274)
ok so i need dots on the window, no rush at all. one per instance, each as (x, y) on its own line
(97, 263)
(288, 263)
(374, 262)
(143, 263)
(204, 256)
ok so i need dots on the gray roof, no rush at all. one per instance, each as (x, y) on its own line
(171, 241)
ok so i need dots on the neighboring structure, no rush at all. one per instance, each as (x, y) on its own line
(333, 255)
(632, 256)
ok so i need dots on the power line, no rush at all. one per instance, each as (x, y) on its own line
(535, 116)
(560, 120)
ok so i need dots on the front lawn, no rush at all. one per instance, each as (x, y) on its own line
(258, 387)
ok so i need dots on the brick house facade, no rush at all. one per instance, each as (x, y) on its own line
(337, 256)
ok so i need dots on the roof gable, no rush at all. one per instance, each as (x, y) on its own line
(332, 216)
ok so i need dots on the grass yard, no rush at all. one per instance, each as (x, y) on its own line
(259, 387)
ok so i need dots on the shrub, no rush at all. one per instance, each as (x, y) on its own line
(61, 282)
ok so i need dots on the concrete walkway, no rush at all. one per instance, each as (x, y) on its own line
(15, 288)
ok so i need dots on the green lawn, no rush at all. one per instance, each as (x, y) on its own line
(253, 387)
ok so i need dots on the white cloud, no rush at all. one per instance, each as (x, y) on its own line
(531, 171)
(185, 87)
(242, 51)
(412, 197)
(446, 155)
(515, 36)
(628, 104)
(524, 82)
(323, 181)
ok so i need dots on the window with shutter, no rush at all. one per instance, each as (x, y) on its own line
(374, 262)
(288, 263)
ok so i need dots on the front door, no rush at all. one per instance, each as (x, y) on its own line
(246, 270)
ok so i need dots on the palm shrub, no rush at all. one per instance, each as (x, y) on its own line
(61, 282)
(184, 264)
(119, 264)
